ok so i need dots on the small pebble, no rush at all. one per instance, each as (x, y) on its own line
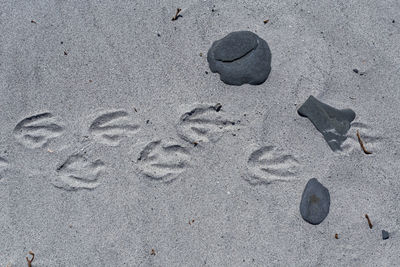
(385, 235)
(315, 202)
(355, 70)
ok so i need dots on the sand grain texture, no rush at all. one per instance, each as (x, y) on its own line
(92, 84)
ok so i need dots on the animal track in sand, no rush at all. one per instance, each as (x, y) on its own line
(371, 139)
(203, 124)
(268, 164)
(3, 165)
(36, 131)
(163, 160)
(77, 172)
(111, 127)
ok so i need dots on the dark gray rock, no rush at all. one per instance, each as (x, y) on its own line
(235, 45)
(315, 202)
(240, 57)
(385, 234)
(331, 122)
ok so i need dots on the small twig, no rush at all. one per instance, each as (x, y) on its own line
(177, 15)
(369, 221)
(266, 21)
(30, 261)
(362, 144)
(218, 107)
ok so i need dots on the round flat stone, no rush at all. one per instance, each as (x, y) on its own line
(315, 202)
(235, 45)
(240, 57)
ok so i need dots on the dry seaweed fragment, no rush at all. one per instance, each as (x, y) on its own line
(362, 144)
(217, 107)
(369, 221)
(30, 260)
(177, 15)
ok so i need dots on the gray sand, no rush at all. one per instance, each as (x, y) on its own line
(233, 199)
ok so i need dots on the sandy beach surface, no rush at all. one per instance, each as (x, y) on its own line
(119, 146)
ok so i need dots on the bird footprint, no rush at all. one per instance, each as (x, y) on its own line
(163, 160)
(370, 138)
(111, 127)
(3, 165)
(268, 164)
(203, 124)
(77, 172)
(36, 131)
